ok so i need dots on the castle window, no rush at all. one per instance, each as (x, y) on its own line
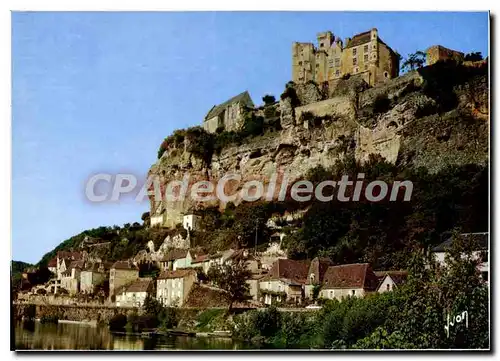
(366, 57)
(300, 63)
(366, 48)
(337, 62)
(354, 61)
(321, 45)
(337, 73)
(366, 66)
(354, 51)
(386, 74)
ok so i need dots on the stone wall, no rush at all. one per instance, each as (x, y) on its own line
(339, 106)
(72, 312)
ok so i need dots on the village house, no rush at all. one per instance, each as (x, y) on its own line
(316, 274)
(70, 278)
(176, 258)
(64, 258)
(190, 222)
(481, 252)
(120, 274)
(92, 276)
(134, 294)
(228, 115)
(348, 280)
(284, 282)
(254, 284)
(389, 280)
(173, 287)
(202, 261)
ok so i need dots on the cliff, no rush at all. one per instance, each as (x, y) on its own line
(434, 117)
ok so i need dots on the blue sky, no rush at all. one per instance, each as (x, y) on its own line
(97, 92)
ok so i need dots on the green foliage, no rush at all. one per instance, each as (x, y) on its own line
(117, 322)
(381, 104)
(125, 242)
(232, 279)
(414, 61)
(268, 99)
(441, 78)
(412, 316)
(16, 271)
(384, 233)
(475, 56)
(207, 317)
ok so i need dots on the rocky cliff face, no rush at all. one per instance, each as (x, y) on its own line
(401, 120)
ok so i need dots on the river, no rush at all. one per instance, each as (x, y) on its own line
(62, 336)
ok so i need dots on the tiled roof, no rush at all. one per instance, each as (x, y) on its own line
(140, 285)
(174, 254)
(397, 276)
(74, 256)
(124, 265)
(359, 39)
(180, 273)
(52, 262)
(76, 264)
(318, 267)
(200, 259)
(290, 270)
(218, 109)
(358, 275)
(481, 239)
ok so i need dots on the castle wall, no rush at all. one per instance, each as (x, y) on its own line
(438, 52)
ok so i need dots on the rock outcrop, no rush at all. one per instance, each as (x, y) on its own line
(398, 120)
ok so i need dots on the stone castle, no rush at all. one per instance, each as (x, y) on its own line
(365, 54)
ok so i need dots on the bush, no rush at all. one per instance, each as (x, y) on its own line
(381, 104)
(268, 99)
(117, 323)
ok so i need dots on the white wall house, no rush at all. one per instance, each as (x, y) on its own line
(190, 222)
(348, 280)
(173, 287)
(135, 294)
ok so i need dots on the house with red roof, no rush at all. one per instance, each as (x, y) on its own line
(285, 281)
(348, 280)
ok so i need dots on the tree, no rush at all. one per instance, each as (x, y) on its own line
(268, 99)
(414, 61)
(476, 56)
(232, 279)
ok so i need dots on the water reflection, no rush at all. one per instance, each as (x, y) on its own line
(37, 336)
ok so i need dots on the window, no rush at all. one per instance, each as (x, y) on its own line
(484, 257)
(300, 62)
(366, 57)
(354, 61)
(353, 292)
(365, 48)
(321, 45)
(366, 66)
(331, 294)
(337, 73)
(337, 62)
(317, 65)
(386, 74)
(484, 276)
(388, 287)
(354, 51)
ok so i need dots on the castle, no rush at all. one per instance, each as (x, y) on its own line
(365, 54)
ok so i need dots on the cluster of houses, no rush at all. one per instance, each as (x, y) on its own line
(275, 279)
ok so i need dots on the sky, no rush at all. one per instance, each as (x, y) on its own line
(98, 92)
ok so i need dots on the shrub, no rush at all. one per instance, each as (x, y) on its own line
(268, 99)
(381, 104)
(118, 322)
